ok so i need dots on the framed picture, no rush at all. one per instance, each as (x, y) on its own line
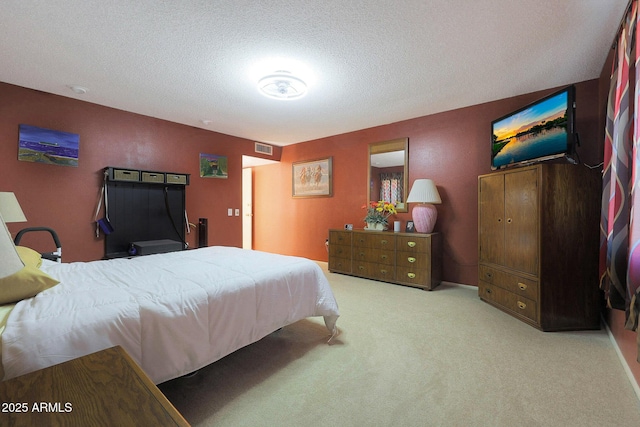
(312, 178)
(409, 228)
(42, 145)
(212, 166)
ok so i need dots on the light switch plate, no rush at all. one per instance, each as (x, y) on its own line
(230, 211)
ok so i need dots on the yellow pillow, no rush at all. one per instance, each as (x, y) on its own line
(29, 257)
(26, 283)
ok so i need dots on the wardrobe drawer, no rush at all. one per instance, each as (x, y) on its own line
(515, 303)
(519, 285)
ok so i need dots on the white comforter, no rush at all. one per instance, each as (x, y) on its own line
(173, 313)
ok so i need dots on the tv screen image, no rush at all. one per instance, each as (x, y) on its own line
(540, 131)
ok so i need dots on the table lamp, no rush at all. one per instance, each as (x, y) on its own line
(10, 208)
(424, 215)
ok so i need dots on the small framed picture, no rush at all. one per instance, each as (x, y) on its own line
(409, 228)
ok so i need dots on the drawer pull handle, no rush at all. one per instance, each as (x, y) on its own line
(361, 254)
(509, 220)
(489, 275)
(521, 305)
(522, 286)
(383, 242)
(411, 244)
(488, 291)
(383, 256)
(411, 259)
(383, 271)
(360, 267)
(411, 275)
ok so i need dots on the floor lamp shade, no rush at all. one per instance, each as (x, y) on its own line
(424, 214)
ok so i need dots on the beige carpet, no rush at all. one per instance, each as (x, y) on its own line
(407, 357)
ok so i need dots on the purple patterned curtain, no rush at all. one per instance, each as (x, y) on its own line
(620, 219)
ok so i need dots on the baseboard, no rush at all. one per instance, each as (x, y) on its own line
(623, 361)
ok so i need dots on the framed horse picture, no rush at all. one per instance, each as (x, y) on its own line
(312, 178)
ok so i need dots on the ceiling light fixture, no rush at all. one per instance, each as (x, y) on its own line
(282, 85)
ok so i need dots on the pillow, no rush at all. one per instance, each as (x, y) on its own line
(10, 261)
(29, 257)
(26, 283)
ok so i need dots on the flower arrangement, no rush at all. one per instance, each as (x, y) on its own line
(379, 212)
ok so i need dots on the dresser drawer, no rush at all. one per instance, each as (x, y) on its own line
(413, 276)
(340, 238)
(340, 251)
(342, 265)
(414, 244)
(373, 271)
(519, 285)
(374, 240)
(413, 260)
(380, 256)
(517, 304)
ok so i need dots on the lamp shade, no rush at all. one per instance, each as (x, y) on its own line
(424, 216)
(424, 191)
(10, 208)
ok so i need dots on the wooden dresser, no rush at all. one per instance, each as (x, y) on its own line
(106, 388)
(538, 242)
(410, 259)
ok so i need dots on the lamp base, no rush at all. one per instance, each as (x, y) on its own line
(424, 217)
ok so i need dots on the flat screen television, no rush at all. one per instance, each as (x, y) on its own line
(540, 131)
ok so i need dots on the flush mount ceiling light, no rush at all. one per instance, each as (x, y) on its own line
(282, 85)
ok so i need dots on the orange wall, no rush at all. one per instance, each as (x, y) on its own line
(64, 198)
(452, 148)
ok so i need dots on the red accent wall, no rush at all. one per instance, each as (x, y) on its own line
(452, 148)
(65, 198)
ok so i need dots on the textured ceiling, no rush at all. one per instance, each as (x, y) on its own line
(367, 62)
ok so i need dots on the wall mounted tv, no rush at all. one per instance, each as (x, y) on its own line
(542, 130)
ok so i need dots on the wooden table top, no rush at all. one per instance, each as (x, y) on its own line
(106, 388)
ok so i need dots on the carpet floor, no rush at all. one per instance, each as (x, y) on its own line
(407, 357)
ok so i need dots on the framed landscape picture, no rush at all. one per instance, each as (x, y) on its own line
(42, 145)
(312, 178)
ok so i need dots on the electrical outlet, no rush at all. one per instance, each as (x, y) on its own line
(230, 212)
(237, 212)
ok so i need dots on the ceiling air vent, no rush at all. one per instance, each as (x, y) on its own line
(264, 149)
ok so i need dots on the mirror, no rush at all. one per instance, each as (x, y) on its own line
(388, 172)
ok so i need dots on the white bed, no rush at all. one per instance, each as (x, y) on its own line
(173, 313)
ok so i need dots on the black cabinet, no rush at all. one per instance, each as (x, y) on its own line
(143, 206)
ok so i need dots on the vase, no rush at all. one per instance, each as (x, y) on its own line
(372, 226)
